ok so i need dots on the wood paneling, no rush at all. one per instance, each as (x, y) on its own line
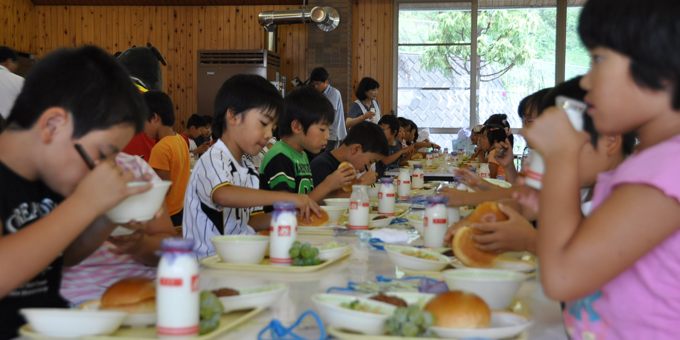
(17, 18)
(372, 51)
(164, 2)
(178, 32)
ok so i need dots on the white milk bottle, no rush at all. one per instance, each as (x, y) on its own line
(282, 233)
(484, 171)
(386, 197)
(358, 208)
(177, 299)
(435, 222)
(535, 168)
(418, 177)
(404, 184)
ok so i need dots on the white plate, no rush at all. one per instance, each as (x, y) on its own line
(396, 255)
(329, 305)
(411, 298)
(131, 320)
(503, 325)
(72, 323)
(379, 223)
(499, 182)
(332, 253)
(260, 297)
(502, 263)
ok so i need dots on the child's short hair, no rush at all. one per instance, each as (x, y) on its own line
(160, 103)
(306, 105)
(404, 123)
(645, 31)
(495, 133)
(319, 74)
(366, 84)
(7, 53)
(244, 92)
(370, 136)
(196, 121)
(391, 121)
(531, 102)
(88, 83)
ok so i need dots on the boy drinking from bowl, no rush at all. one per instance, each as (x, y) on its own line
(222, 197)
(51, 203)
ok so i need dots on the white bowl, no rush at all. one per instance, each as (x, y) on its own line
(131, 319)
(259, 297)
(72, 323)
(397, 256)
(141, 207)
(337, 202)
(379, 223)
(497, 287)
(334, 212)
(330, 254)
(329, 305)
(246, 249)
(503, 325)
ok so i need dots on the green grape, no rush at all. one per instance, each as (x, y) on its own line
(208, 325)
(317, 261)
(429, 320)
(306, 253)
(308, 262)
(414, 314)
(410, 330)
(294, 252)
(297, 262)
(315, 252)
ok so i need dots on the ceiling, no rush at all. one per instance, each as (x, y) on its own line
(165, 2)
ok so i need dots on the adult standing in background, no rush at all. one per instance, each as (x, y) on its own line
(338, 131)
(10, 83)
(366, 106)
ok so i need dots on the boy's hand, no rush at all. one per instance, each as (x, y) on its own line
(515, 234)
(473, 181)
(553, 136)
(341, 177)
(368, 178)
(448, 237)
(106, 185)
(306, 205)
(202, 148)
(127, 244)
(369, 115)
(528, 198)
(504, 155)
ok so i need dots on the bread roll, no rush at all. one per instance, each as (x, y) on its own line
(314, 221)
(463, 245)
(347, 188)
(132, 295)
(458, 309)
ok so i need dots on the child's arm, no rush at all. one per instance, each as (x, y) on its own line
(30, 250)
(579, 256)
(459, 198)
(144, 244)
(395, 156)
(339, 178)
(260, 221)
(239, 197)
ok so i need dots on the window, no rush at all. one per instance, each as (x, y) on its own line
(516, 47)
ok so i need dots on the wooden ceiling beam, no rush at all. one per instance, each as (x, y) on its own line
(164, 2)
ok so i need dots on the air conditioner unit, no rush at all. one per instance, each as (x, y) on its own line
(215, 66)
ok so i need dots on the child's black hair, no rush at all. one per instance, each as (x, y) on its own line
(403, 123)
(391, 121)
(160, 103)
(370, 136)
(7, 53)
(647, 32)
(366, 84)
(531, 102)
(196, 121)
(306, 105)
(495, 133)
(414, 127)
(244, 92)
(88, 83)
(501, 119)
(319, 74)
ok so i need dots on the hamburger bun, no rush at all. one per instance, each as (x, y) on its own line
(347, 188)
(132, 295)
(314, 221)
(463, 245)
(417, 156)
(458, 309)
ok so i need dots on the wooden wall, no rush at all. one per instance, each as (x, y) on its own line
(179, 31)
(17, 18)
(372, 51)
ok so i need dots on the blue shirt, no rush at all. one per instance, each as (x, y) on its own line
(338, 131)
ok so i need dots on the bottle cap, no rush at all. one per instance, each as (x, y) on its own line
(386, 180)
(177, 244)
(417, 166)
(284, 206)
(437, 199)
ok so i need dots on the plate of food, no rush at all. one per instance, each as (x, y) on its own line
(416, 258)
(249, 298)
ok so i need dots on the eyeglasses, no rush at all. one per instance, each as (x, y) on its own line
(88, 160)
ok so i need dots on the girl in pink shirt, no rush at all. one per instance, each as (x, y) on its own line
(619, 268)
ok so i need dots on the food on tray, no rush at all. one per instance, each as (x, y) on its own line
(330, 245)
(379, 217)
(348, 187)
(210, 312)
(314, 220)
(458, 309)
(360, 307)
(417, 156)
(463, 244)
(409, 321)
(392, 300)
(303, 254)
(222, 292)
(132, 295)
(420, 254)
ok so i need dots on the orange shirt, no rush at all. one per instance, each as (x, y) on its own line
(491, 158)
(172, 154)
(140, 145)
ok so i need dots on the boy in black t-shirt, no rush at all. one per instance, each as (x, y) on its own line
(50, 202)
(302, 126)
(365, 144)
(390, 126)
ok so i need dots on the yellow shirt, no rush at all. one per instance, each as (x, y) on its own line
(171, 154)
